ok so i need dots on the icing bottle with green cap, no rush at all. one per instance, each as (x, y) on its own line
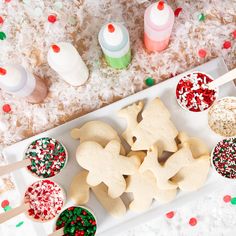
(115, 44)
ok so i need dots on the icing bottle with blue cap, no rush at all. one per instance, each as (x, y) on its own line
(115, 44)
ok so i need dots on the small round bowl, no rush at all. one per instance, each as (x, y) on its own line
(40, 214)
(212, 161)
(191, 96)
(55, 172)
(81, 214)
(225, 124)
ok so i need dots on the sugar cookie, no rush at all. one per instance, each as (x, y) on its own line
(105, 165)
(79, 189)
(163, 173)
(97, 131)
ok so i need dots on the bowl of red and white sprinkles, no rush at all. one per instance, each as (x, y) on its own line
(223, 158)
(46, 199)
(193, 94)
(48, 157)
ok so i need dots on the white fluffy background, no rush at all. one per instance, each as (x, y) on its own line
(29, 35)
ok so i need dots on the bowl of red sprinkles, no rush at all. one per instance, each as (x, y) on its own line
(77, 221)
(193, 94)
(223, 158)
(46, 199)
(48, 157)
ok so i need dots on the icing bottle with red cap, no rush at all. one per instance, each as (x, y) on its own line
(66, 61)
(158, 24)
(115, 44)
(15, 79)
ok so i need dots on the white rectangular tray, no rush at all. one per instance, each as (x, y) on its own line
(194, 124)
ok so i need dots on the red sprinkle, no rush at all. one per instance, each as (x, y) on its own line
(6, 108)
(177, 11)
(160, 5)
(202, 53)
(234, 34)
(7, 1)
(170, 214)
(193, 221)
(2, 71)
(111, 28)
(227, 44)
(5, 203)
(52, 18)
(227, 198)
(1, 20)
(55, 48)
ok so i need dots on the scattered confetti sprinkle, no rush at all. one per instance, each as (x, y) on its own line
(2, 71)
(2, 35)
(233, 201)
(19, 224)
(150, 81)
(227, 44)
(72, 20)
(177, 11)
(58, 5)
(193, 221)
(227, 198)
(170, 214)
(234, 34)
(202, 53)
(201, 17)
(7, 208)
(1, 20)
(5, 203)
(224, 158)
(52, 18)
(6, 108)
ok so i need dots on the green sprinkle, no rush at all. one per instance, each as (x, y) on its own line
(7, 208)
(2, 35)
(19, 224)
(233, 201)
(201, 17)
(150, 81)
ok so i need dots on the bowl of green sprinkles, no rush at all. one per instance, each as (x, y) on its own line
(48, 157)
(77, 221)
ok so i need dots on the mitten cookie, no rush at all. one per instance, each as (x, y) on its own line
(193, 176)
(97, 131)
(114, 206)
(173, 165)
(130, 113)
(106, 165)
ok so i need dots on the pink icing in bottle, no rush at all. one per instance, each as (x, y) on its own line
(158, 23)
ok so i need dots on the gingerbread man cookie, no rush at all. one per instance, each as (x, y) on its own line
(144, 188)
(106, 165)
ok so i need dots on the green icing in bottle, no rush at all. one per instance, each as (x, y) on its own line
(119, 63)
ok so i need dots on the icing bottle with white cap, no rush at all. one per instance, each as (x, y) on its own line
(66, 61)
(115, 44)
(15, 79)
(158, 24)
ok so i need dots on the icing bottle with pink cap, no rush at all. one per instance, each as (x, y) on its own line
(158, 24)
(66, 61)
(115, 44)
(15, 79)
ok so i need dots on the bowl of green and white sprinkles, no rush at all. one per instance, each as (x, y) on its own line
(48, 157)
